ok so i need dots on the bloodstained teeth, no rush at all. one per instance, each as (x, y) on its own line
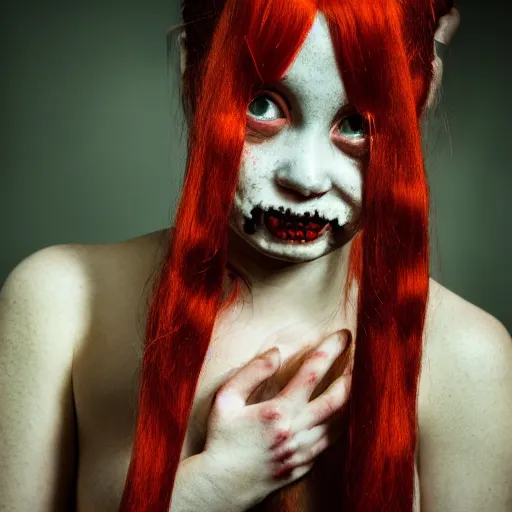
(293, 229)
(274, 222)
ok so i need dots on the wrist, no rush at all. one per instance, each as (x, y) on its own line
(202, 485)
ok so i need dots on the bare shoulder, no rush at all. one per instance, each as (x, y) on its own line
(44, 310)
(78, 280)
(53, 303)
(121, 268)
(463, 340)
(120, 277)
(49, 286)
(448, 311)
(465, 408)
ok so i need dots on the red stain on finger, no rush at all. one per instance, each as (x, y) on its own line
(286, 455)
(270, 415)
(319, 354)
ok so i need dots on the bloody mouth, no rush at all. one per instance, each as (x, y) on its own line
(288, 227)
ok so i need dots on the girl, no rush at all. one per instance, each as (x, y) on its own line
(303, 217)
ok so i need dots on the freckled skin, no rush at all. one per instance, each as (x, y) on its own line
(302, 167)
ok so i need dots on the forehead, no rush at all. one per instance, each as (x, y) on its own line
(315, 70)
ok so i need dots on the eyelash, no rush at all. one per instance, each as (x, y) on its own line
(276, 100)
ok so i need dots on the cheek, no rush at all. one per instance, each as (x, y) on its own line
(348, 182)
(257, 166)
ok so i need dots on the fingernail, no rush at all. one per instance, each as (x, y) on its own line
(274, 350)
(272, 353)
(343, 336)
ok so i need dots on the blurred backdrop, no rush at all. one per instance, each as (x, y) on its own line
(92, 148)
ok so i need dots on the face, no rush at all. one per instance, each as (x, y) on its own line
(300, 182)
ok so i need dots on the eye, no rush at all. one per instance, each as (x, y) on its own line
(353, 126)
(265, 108)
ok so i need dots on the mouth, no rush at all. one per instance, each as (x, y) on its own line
(288, 227)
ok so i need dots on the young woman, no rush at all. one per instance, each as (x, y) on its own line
(302, 225)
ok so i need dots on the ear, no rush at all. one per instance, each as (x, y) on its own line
(448, 25)
(183, 52)
(447, 28)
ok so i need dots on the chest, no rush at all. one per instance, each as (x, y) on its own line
(106, 386)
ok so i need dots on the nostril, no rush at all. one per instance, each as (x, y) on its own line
(294, 193)
(301, 187)
(314, 195)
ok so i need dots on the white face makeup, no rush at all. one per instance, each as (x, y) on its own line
(299, 168)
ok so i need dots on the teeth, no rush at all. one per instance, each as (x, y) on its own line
(295, 231)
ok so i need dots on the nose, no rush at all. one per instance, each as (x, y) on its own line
(305, 174)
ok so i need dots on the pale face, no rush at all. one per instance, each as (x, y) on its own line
(303, 154)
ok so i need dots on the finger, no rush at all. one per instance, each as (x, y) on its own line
(330, 402)
(304, 382)
(303, 457)
(311, 453)
(299, 443)
(288, 475)
(235, 392)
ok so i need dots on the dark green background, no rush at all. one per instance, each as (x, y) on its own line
(91, 149)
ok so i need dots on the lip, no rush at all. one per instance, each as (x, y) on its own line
(322, 234)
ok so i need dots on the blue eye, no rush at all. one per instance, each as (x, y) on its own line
(353, 126)
(265, 109)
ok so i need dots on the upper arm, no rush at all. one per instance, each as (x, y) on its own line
(466, 438)
(42, 314)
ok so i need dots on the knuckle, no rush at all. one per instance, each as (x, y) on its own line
(225, 399)
(263, 363)
(282, 433)
(279, 437)
(318, 355)
(223, 394)
(312, 378)
(271, 412)
(284, 454)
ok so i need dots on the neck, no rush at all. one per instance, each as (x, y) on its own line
(311, 290)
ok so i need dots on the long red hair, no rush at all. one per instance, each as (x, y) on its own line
(384, 52)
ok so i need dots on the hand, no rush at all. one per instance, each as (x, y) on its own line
(257, 449)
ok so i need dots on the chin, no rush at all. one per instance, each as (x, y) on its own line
(289, 251)
(276, 235)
